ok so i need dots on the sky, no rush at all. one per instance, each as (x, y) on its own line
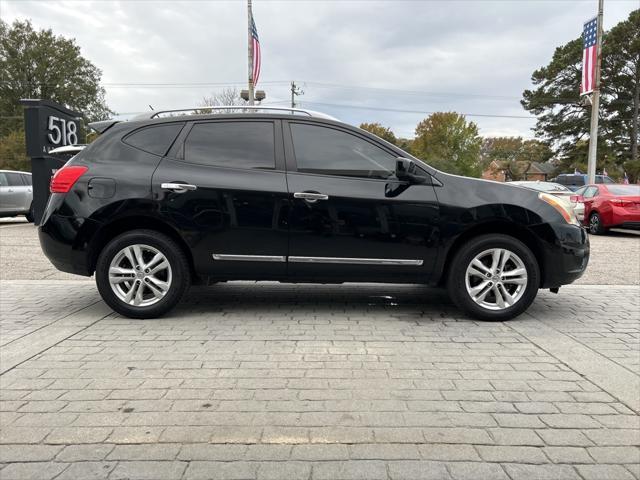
(387, 61)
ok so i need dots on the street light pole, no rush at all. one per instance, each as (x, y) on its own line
(250, 52)
(595, 101)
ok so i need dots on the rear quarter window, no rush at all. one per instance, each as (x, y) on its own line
(154, 139)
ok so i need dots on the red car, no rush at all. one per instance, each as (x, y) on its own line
(609, 206)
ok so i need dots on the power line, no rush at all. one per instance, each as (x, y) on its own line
(154, 85)
(398, 110)
(410, 92)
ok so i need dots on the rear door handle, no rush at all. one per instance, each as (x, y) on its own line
(178, 187)
(311, 197)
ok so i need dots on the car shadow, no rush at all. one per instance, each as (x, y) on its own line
(623, 233)
(269, 300)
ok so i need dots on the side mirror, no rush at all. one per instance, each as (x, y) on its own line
(406, 171)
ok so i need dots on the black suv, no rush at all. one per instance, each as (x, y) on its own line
(154, 205)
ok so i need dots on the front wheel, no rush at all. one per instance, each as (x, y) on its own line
(494, 277)
(142, 274)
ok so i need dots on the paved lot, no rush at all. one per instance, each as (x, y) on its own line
(265, 380)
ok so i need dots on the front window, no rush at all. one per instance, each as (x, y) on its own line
(329, 151)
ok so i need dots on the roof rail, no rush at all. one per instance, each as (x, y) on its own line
(242, 108)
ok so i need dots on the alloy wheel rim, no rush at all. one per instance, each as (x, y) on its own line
(496, 279)
(594, 223)
(140, 275)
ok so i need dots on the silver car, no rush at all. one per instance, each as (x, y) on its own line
(16, 194)
(557, 190)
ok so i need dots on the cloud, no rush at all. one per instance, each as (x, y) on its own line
(400, 57)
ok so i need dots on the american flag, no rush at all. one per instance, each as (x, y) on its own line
(589, 56)
(257, 56)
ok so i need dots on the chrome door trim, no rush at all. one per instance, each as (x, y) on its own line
(358, 261)
(249, 258)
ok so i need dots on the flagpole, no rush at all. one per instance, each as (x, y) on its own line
(250, 48)
(595, 101)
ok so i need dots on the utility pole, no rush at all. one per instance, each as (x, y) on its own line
(250, 51)
(595, 101)
(295, 91)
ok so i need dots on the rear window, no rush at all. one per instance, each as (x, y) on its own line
(232, 144)
(155, 139)
(603, 179)
(546, 186)
(624, 190)
(570, 180)
(577, 180)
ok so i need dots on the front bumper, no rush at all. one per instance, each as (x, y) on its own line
(567, 259)
(64, 241)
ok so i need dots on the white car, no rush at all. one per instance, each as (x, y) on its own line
(557, 190)
(16, 194)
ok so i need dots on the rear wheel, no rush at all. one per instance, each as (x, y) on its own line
(494, 277)
(142, 274)
(595, 224)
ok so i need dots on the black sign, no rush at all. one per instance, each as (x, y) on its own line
(49, 125)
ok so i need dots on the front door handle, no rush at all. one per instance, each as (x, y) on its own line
(178, 187)
(311, 197)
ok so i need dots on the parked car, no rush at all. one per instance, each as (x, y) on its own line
(573, 181)
(16, 194)
(291, 195)
(557, 190)
(609, 206)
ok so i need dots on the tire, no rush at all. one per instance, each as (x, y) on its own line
(595, 224)
(29, 214)
(460, 285)
(160, 293)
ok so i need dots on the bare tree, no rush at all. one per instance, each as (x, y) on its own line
(228, 96)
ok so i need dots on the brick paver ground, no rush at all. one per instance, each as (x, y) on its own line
(319, 382)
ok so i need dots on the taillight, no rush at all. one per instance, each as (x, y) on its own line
(65, 178)
(618, 202)
(574, 198)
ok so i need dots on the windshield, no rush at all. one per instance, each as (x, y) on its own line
(624, 190)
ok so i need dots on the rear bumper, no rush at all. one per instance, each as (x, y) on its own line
(567, 259)
(622, 216)
(64, 241)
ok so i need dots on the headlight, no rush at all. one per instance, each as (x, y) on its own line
(563, 208)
